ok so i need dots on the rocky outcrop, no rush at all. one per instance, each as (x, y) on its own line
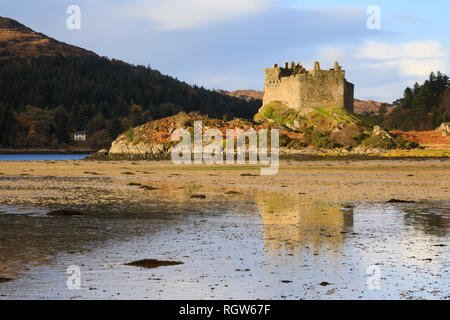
(378, 131)
(326, 129)
(122, 149)
(152, 141)
(444, 129)
(141, 150)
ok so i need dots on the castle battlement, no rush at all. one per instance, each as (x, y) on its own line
(299, 88)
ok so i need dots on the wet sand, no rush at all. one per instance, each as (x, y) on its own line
(94, 185)
(316, 230)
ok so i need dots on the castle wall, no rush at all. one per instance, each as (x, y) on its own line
(349, 96)
(308, 89)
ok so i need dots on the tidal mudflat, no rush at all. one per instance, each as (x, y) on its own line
(317, 230)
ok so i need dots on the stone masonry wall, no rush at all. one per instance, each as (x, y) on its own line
(298, 88)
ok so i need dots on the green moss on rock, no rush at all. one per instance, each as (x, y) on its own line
(321, 119)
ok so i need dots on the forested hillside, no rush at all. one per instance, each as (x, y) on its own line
(423, 107)
(44, 99)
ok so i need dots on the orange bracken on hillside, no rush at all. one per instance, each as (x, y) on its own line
(429, 139)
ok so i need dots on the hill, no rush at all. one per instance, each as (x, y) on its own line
(331, 127)
(152, 140)
(370, 107)
(51, 89)
(312, 132)
(16, 40)
(243, 94)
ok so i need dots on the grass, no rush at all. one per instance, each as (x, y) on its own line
(342, 115)
(397, 153)
(130, 135)
(418, 153)
(321, 119)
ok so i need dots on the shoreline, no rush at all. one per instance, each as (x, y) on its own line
(45, 151)
(299, 155)
(139, 185)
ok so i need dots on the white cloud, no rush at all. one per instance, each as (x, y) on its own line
(191, 14)
(411, 58)
(381, 71)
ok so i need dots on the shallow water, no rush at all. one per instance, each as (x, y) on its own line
(41, 157)
(270, 248)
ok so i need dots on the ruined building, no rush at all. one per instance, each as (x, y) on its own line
(299, 88)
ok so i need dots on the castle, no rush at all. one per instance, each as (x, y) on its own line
(299, 88)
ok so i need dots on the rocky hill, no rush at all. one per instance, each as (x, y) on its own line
(153, 139)
(330, 127)
(311, 132)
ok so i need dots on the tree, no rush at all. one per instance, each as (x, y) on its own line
(85, 86)
(408, 96)
(383, 109)
(61, 125)
(114, 127)
(423, 98)
(7, 127)
(421, 107)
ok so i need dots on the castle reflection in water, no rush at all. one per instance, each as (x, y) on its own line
(292, 226)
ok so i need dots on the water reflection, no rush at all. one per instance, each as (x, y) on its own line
(287, 251)
(429, 220)
(294, 225)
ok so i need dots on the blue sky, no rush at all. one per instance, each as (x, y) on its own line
(226, 44)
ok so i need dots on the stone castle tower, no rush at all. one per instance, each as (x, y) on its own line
(299, 88)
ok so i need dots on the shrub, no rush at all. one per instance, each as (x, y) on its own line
(349, 137)
(130, 134)
(288, 142)
(278, 112)
(406, 144)
(181, 119)
(169, 144)
(318, 139)
(377, 141)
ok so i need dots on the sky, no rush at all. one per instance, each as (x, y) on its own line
(226, 44)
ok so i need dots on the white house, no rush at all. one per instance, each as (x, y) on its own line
(79, 136)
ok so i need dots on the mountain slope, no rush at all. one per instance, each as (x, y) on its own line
(17, 40)
(371, 107)
(51, 89)
(243, 94)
